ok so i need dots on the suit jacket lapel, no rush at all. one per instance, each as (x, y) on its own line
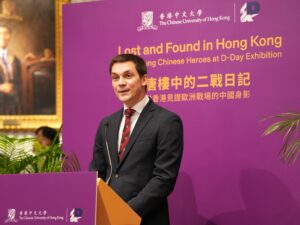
(144, 118)
(113, 133)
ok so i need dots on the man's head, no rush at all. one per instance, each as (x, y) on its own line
(129, 78)
(5, 35)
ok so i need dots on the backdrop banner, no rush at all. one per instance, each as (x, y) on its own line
(40, 199)
(223, 66)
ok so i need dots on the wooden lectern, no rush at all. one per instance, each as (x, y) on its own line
(111, 209)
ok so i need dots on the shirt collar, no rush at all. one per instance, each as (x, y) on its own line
(3, 52)
(138, 107)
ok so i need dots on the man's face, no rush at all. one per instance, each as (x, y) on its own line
(4, 37)
(128, 86)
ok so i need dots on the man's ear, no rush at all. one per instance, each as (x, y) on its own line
(145, 79)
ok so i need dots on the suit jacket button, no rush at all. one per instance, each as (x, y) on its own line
(116, 176)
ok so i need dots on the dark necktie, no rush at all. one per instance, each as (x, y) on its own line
(126, 132)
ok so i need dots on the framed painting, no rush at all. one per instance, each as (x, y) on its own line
(30, 64)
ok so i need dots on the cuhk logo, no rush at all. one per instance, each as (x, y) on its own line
(147, 21)
(249, 10)
(75, 215)
(11, 216)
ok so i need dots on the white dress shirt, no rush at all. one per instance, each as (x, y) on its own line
(3, 53)
(133, 119)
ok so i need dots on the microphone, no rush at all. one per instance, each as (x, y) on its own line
(106, 125)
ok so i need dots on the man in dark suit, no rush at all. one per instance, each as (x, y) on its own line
(10, 76)
(138, 149)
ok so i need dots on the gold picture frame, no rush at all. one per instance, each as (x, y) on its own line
(33, 111)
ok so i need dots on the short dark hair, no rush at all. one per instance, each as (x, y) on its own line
(48, 132)
(138, 61)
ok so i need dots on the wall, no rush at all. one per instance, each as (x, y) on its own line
(230, 174)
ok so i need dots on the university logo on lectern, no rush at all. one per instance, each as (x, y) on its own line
(147, 22)
(11, 216)
(75, 215)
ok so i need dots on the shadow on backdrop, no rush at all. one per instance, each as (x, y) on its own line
(182, 203)
(266, 199)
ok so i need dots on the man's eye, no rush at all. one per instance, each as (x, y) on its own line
(128, 76)
(115, 78)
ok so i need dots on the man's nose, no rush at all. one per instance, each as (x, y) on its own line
(122, 81)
